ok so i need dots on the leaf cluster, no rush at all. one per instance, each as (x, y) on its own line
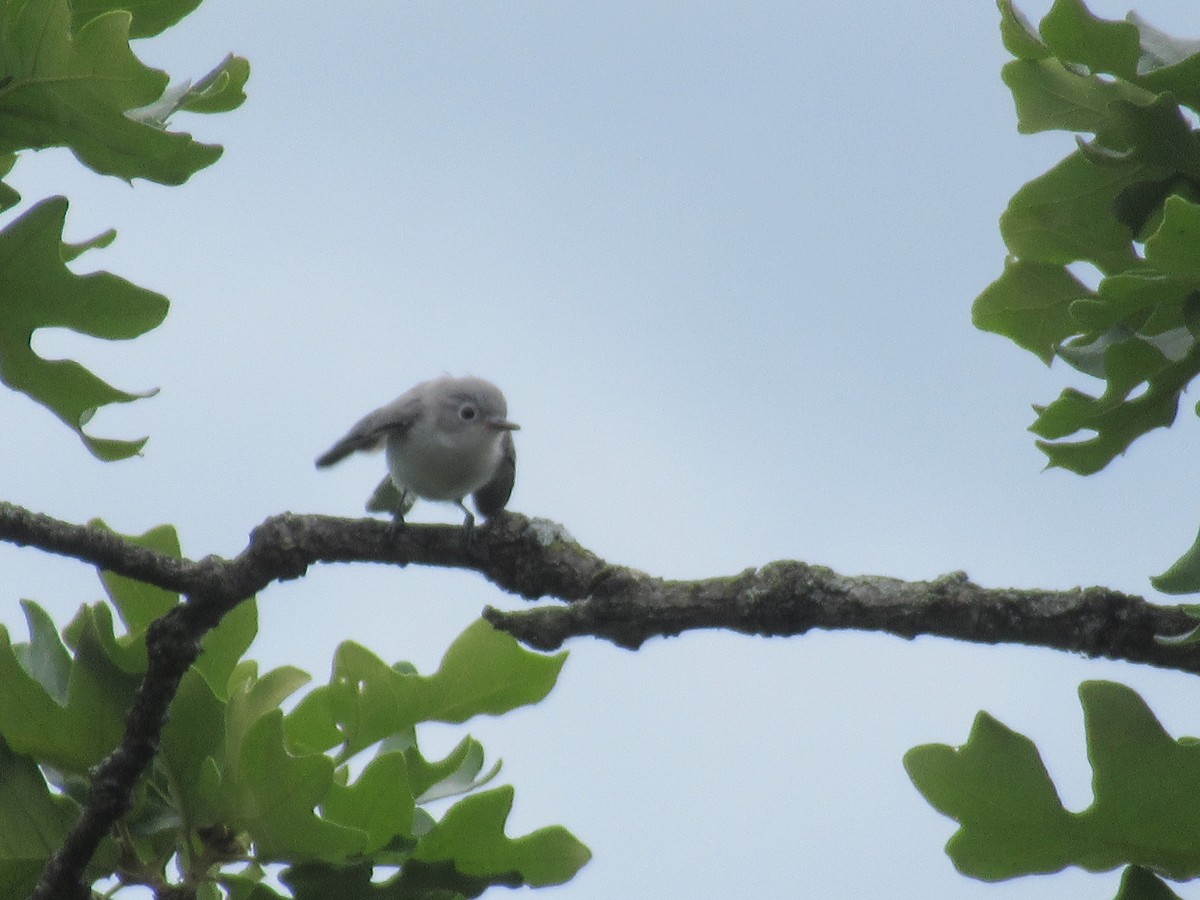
(325, 796)
(1012, 822)
(69, 78)
(1126, 202)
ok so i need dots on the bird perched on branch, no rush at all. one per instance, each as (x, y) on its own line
(444, 439)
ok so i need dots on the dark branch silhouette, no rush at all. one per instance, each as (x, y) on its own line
(533, 558)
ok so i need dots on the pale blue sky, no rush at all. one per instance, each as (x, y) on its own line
(721, 259)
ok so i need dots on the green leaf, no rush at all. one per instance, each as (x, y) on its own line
(277, 794)
(1129, 299)
(1144, 784)
(471, 836)
(1050, 96)
(193, 739)
(1020, 37)
(1139, 206)
(39, 291)
(74, 251)
(224, 646)
(368, 699)
(1074, 35)
(1066, 215)
(460, 856)
(484, 671)
(221, 90)
(45, 657)
(379, 803)
(1168, 63)
(1013, 823)
(33, 823)
(466, 853)
(487, 672)
(1088, 354)
(106, 673)
(218, 91)
(1183, 577)
(457, 774)
(94, 623)
(244, 767)
(73, 90)
(1141, 884)
(367, 702)
(355, 881)
(255, 698)
(151, 828)
(1172, 248)
(73, 735)
(8, 195)
(1157, 132)
(148, 17)
(1119, 416)
(1031, 305)
(312, 726)
(996, 788)
(139, 603)
(1144, 146)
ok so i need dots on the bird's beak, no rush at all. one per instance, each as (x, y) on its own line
(503, 425)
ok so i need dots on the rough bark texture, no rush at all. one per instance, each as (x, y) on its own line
(533, 559)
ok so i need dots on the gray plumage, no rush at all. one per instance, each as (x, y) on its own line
(444, 439)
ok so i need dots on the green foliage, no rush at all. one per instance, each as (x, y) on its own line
(1011, 821)
(41, 292)
(240, 779)
(33, 822)
(463, 855)
(69, 78)
(1126, 202)
(71, 84)
(147, 17)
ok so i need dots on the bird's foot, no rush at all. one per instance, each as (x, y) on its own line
(468, 523)
(398, 524)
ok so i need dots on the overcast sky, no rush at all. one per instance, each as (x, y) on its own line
(721, 258)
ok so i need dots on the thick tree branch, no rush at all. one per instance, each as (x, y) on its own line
(533, 559)
(791, 598)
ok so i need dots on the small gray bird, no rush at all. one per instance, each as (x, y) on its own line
(444, 439)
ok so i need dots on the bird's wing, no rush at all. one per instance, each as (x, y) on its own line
(395, 418)
(492, 497)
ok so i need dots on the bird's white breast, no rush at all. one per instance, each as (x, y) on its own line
(437, 465)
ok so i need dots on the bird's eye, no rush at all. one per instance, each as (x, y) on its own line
(466, 412)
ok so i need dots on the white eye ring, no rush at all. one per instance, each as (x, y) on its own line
(466, 412)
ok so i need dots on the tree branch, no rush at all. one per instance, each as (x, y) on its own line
(534, 558)
(791, 598)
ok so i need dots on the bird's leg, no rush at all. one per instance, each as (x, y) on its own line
(398, 521)
(469, 521)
